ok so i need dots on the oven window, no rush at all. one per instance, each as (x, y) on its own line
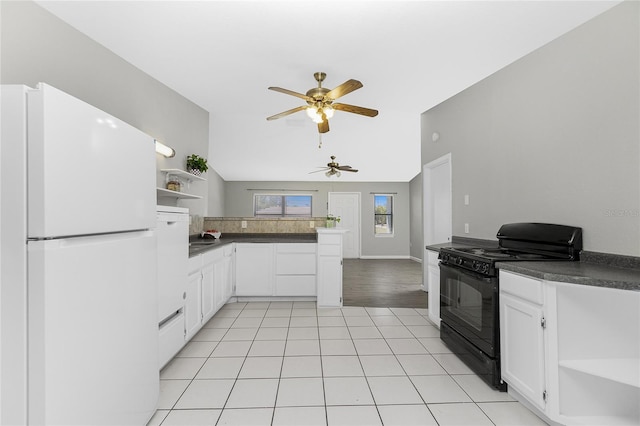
(465, 302)
(469, 305)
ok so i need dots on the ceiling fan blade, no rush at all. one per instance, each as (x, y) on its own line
(323, 169)
(292, 93)
(323, 127)
(282, 114)
(349, 170)
(344, 167)
(355, 109)
(346, 87)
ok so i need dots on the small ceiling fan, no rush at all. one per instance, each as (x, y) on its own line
(320, 106)
(334, 169)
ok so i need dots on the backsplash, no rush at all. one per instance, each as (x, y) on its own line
(285, 225)
(196, 224)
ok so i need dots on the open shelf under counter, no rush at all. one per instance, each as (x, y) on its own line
(621, 370)
(161, 192)
(183, 174)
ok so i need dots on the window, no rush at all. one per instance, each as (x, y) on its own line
(383, 212)
(282, 205)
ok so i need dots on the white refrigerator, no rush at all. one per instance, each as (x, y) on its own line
(78, 300)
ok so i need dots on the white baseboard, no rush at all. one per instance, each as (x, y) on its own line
(415, 259)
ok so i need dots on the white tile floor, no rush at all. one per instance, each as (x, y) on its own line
(288, 363)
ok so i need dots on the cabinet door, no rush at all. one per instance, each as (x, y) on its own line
(192, 305)
(254, 269)
(329, 281)
(219, 284)
(228, 278)
(433, 272)
(522, 347)
(208, 291)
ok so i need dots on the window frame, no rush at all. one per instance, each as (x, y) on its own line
(389, 216)
(283, 197)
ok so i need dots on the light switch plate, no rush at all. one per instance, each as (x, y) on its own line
(312, 224)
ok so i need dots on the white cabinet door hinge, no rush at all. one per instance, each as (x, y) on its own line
(543, 322)
(544, 396)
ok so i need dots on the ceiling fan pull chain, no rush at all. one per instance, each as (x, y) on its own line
(319, 140)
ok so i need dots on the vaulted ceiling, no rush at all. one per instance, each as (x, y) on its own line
(409, 55)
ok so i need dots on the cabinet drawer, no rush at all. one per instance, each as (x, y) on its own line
(295, 285)
(329, 239)
(296, 248)
(296, 263)
(330, 250)
(524, 287)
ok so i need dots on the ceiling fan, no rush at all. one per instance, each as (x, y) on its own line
(333, 168)
(320, 106)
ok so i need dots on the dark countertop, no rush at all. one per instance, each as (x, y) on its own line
(594, 269)
(584, 273)
(199, 245)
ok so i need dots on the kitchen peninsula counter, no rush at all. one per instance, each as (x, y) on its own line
(199, 245)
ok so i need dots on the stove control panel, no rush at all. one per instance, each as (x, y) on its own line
(476, 265)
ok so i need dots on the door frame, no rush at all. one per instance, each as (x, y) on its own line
(427, 211)
(428, 219)
(358, 197)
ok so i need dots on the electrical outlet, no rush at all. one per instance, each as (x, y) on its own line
(312, 224)
(244, 224)
(466, 228)
(466, 200)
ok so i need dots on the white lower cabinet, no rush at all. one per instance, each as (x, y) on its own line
(208, 287)
(228, 275)
(329, 268)
(433, 286)
(571, 352)
(295, 269)
(209, 283)
(522, 346)
(193, 298)
(281, 269)
(254, 269)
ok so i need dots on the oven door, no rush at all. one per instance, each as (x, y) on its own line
(469, 305)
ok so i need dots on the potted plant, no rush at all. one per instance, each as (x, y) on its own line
(196, 165)
(332, 220)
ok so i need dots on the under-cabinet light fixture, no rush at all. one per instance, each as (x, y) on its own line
(165, 150)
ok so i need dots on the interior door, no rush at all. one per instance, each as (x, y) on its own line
(346, 206)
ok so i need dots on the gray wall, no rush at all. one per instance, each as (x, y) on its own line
(554, 137)
(239, 203)
(416, 236)
(37, 47)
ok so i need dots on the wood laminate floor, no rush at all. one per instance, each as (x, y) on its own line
(383, 283)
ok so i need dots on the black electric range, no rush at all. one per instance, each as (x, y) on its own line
(469, 288)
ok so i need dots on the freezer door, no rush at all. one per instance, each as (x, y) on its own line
(93, 330)
(88, 172)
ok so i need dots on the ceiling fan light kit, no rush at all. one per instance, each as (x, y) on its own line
(320, 107)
